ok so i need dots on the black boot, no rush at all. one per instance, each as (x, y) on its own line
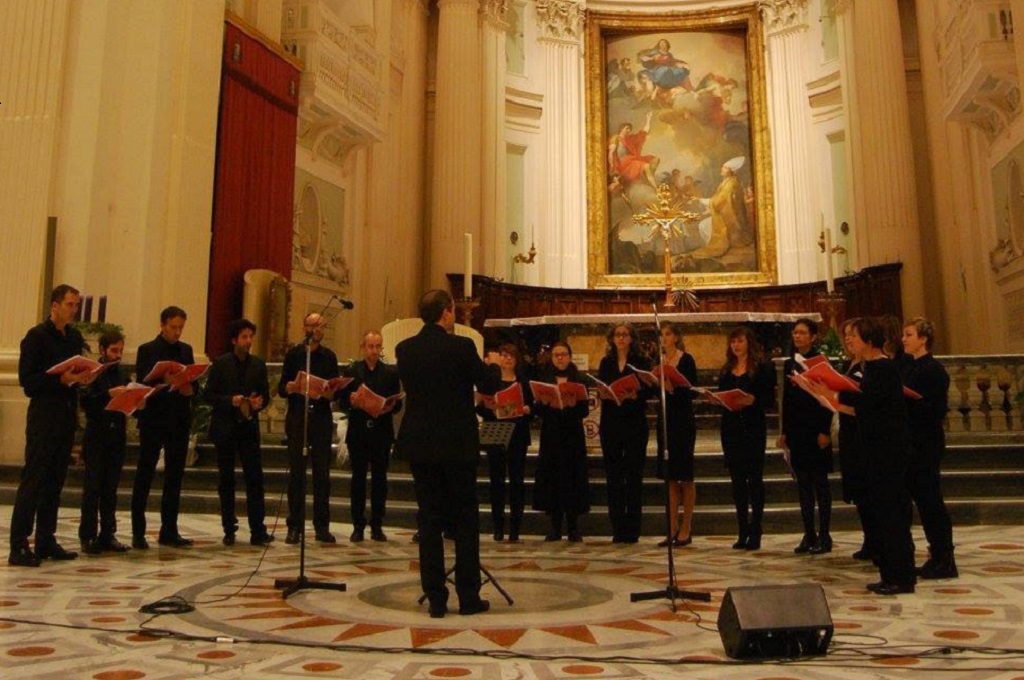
(940, 567)
(556, 528)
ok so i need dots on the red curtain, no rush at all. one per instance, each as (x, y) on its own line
(255, 176)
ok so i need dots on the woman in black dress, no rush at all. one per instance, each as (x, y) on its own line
(807, 440)
(624, 435)
(882, 440)
(513, 458)
(851, 461)
(682, 437)
(745, 432)
(561, 488)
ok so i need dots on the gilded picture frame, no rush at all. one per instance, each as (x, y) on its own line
(679, 100)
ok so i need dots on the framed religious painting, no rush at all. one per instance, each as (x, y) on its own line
(678, 150)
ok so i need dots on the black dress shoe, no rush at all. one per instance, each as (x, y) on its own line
(513, 537)
(824, 546)
(437, 611)
(23, 557)
(552, 537)
(865, 554)
(753, 542)
(377, 534)
(499, 535)
(477, 607)
(113, 545)
(574, 537)
(324, 536)
(55, 552)
(140, 543)
(357, 535)
(741, 542)
(229, 539)
(415, 537)
(293, 537)
(883, 588)
(92, 546)
(175, 541)
(261, 540)
(939, 568)
(807, 544)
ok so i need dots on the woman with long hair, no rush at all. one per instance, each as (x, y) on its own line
(677, 471)
(744, 431)
(807, 440)
(514, 457)
(561, 488)
(624, 435)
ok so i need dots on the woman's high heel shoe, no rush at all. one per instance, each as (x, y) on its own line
(682, 542)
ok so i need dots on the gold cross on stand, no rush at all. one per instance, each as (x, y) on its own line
(663, 217)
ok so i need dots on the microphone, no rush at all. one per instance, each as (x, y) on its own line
(347, 304)
(653, 299)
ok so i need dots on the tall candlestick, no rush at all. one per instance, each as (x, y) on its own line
(830, 283)
(467, 270)
(101, 314)
(88, 308)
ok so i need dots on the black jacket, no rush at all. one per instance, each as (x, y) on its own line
(42, 348)
(383, 380)
(164, 408)
(228, 377)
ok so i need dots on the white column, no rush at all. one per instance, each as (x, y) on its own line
(885, 223)
(562, 229)
(494, 229)
(796, 200)
(456, 181)
(33, 37)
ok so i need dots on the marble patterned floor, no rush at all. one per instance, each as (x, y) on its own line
(572, 616)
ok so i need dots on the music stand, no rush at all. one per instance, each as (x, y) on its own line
(494, 434)
(287, 586)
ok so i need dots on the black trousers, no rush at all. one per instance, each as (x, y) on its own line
(891, 517)
(246, 447)
(812, 487)
(514, 461)
(924, 482)
(371, 453)
(174, 441)
(320, 432)
(446, 496)
(747, 477)
(49, 436)
(623, 455)
(103, 450)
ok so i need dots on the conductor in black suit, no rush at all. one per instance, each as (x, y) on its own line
(440, 438)
(238, 389)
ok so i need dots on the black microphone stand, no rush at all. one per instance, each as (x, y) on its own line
(289, 587)
(671, 591)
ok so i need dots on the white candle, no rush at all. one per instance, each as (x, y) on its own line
(830, 283)
(467, 269)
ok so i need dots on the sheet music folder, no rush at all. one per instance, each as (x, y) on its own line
(496, 434)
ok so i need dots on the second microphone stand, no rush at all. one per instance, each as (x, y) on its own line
(671, 591)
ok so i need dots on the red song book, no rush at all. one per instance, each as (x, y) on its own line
(911, 394)
(131, 398)
(509, 403)
(175, 374)
(729, 399)
(803, 383)
(823, 372)
(675, 378)
(646, 377)
(79, 364)
(373, 403)
(560, 396)
(627, 387)
(318, 387)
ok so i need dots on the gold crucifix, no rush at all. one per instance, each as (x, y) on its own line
(663, 217)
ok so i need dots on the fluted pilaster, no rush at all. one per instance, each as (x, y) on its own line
(561, 234)
(875, 93)
(785, 23)
(493, 171)
(33, 35)
(456, 186)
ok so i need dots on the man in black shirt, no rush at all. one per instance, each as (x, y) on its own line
(103, 450)
(238, 389)
(369, 439)
(164, 423)
(323, 364)
(49, 430)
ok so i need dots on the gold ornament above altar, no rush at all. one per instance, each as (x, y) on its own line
(665, 218)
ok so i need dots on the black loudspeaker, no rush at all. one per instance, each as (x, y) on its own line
(760, 622)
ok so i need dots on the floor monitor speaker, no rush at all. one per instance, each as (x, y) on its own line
(759, 622)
